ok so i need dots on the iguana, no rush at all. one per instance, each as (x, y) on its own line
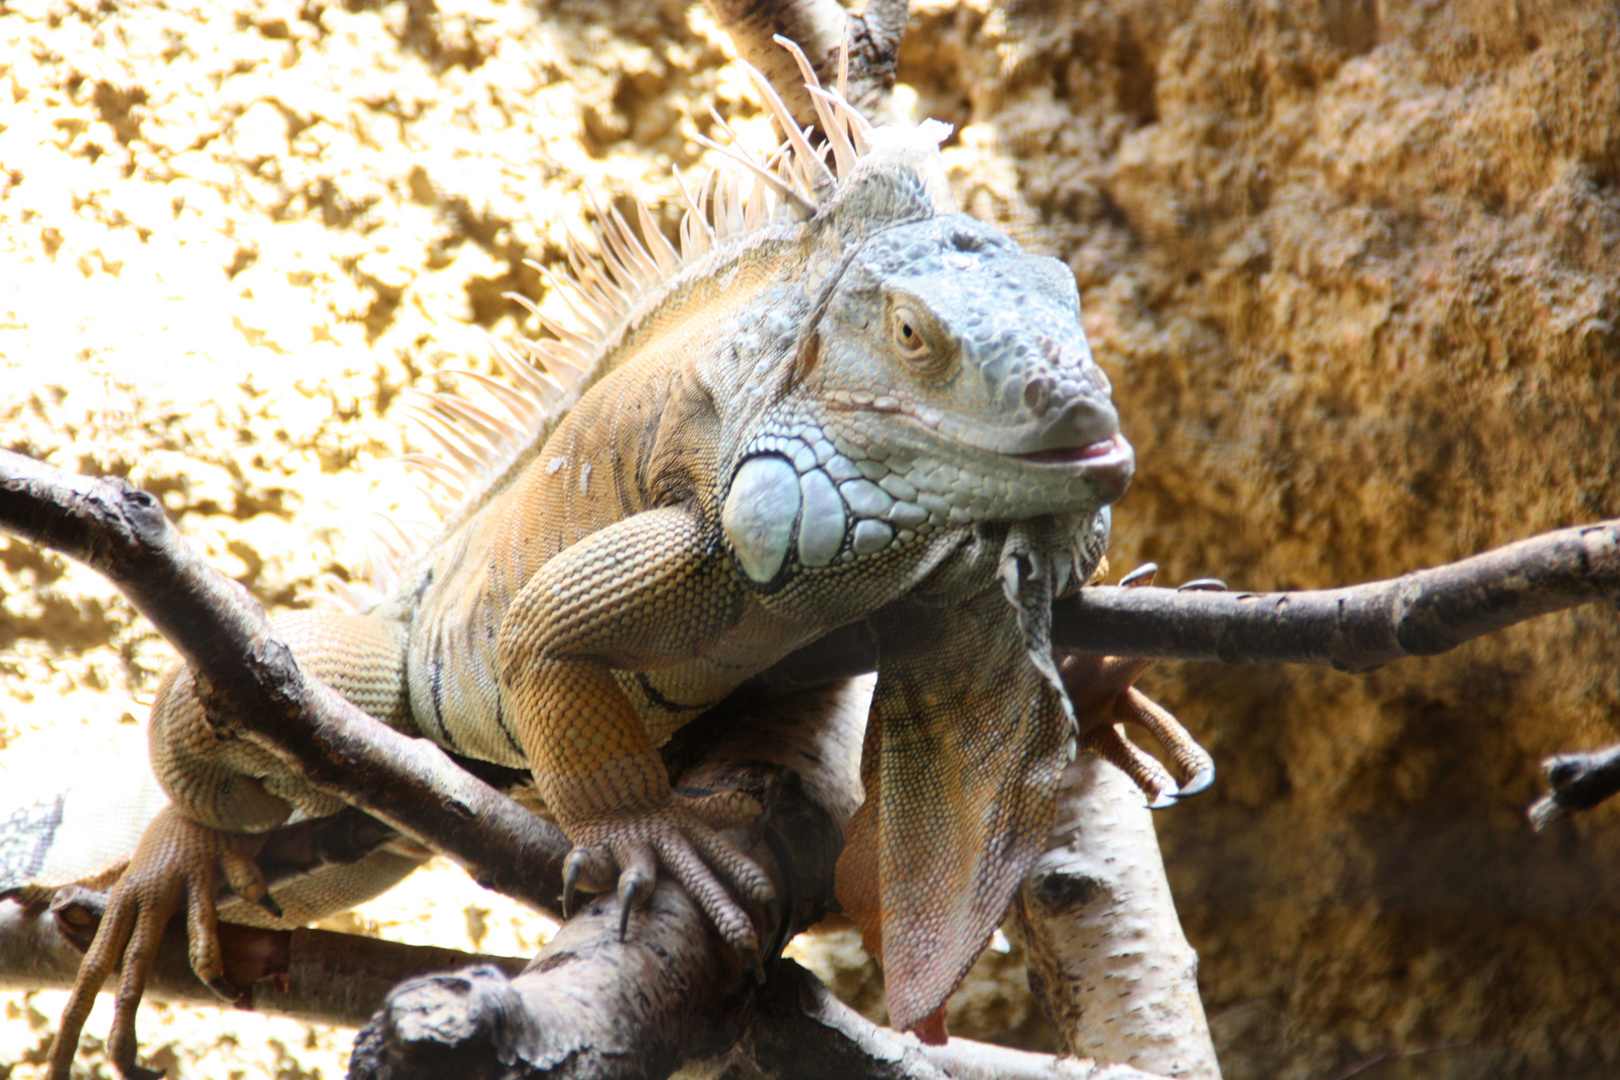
(840, 400)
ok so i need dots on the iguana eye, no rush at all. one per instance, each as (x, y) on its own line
(912, 335)
(908, 336)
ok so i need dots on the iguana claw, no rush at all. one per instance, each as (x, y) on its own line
(1142, 575)
(225, 991)
(578, 869)
(1199, 783)
(680, 837)
(635, 890)
(177, 859)
(1102, 691)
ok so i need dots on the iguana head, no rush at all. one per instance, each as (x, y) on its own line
(959, 359)
(944, 380)
(940, 377)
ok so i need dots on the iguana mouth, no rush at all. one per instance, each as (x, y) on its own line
(1108, 463)
(1097, 453)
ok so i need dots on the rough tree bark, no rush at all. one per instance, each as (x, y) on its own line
(820, 28)
(1107, 956)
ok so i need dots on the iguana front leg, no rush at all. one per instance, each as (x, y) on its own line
(651, 590)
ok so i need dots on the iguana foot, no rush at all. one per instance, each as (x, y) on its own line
(680, 836)
(176, 857)
(1102, 692)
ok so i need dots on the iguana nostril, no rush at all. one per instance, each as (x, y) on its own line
(1037, 395)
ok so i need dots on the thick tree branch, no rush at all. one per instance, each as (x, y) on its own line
(1107, 955)
(819, 27)
(250, 684)
(1356, 628)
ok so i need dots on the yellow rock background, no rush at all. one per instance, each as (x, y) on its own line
(1353, 265)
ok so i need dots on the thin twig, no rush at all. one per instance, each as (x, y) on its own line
(1578, 781)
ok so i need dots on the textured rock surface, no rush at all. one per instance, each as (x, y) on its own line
(1353, 269)
(1353, 266)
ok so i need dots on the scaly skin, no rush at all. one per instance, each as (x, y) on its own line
(225, 796)
(866, 414)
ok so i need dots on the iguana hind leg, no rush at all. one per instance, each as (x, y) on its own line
(642, 593)
(226, 794)
(176, 859)
(1104, 696)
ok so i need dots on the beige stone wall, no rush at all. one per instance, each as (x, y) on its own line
(1355, 271)
(1353, 266)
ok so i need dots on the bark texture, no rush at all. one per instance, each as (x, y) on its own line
(1106, 951)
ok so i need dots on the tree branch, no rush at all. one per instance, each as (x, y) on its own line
(316, 976)
(1107, 953)
(819, 27)
(250, 684)
(1579, 782)
(1356, 628)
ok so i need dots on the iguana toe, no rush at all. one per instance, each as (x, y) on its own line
(1101, 690)
(636, 881)
(1110, 744)
(177, 859)
(585, 868)
(678, 838)
(1189, 762)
